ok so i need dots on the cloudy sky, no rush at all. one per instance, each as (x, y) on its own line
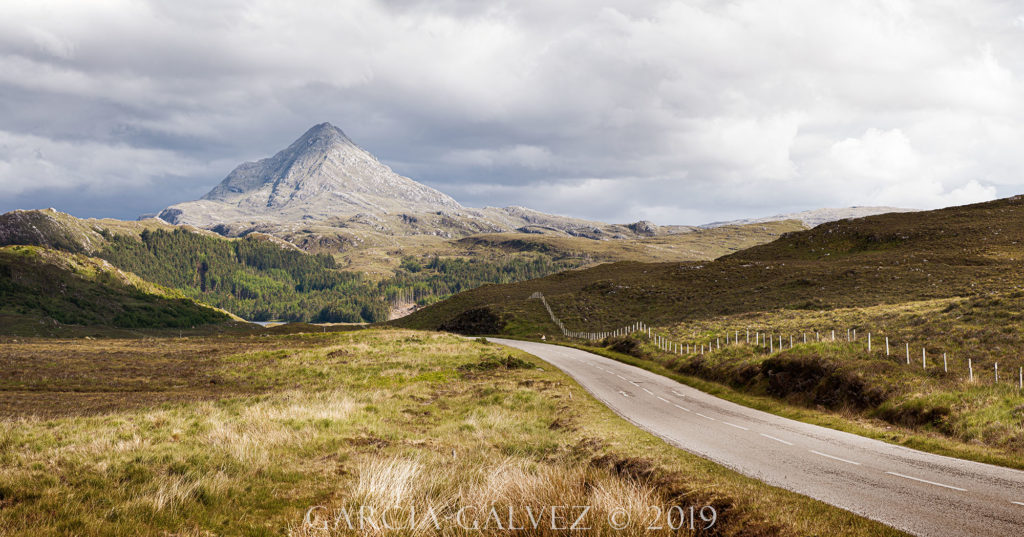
(678, 112)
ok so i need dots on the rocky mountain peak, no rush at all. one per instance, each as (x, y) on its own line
(322, 174)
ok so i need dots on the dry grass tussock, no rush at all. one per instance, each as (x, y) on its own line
(492, 497)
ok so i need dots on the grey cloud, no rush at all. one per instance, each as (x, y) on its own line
(681, 112)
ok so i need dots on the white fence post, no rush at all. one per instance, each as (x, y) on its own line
(945, 365)
(855, 334)
(970, 370)
(805, 338)
(908, 353)
(997, 372)
(869, 341)
(833, 335)
(887, 345)
(924, 359)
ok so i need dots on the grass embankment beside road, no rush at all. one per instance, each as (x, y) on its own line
(242, 435)
(928, 405)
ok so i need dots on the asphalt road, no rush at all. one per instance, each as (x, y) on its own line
(920, 493)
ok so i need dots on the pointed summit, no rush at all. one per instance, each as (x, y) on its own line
(321, 174)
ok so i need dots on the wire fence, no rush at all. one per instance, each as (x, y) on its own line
(770, 342)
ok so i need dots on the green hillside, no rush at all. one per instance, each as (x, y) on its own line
(49, 288)
(260, 277)
(884, 259)
(943, 289)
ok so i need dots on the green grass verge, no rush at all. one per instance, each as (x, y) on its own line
(851, 423)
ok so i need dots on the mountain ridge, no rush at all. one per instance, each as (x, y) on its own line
(325, 178)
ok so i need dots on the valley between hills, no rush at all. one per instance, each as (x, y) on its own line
(130, 372)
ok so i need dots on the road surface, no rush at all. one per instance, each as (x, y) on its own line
(920, 493)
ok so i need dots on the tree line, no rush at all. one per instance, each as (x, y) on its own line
(260, 280)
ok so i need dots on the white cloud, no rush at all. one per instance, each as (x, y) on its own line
(29, 163)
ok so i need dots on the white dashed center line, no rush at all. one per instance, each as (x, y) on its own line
(926, 481)
(663, 399)
(1017, 503)
(621, 377)
(770, 437)
(736, 426)
(708, 417)
(833, 457)
(681, 407)
(649, 392)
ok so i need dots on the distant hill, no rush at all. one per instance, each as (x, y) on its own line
(262, 277)
(324, 192)
(815, 217)
(888, 258)
(48, 288)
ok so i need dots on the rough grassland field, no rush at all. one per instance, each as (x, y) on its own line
(242, 435)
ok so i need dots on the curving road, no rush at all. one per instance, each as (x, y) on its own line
(920, 493)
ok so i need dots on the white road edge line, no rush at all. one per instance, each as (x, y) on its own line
(736, 426)
(776, 439)
(677, 393)
(708, 417)
(833, 457)
(926, 481)
(681, 407)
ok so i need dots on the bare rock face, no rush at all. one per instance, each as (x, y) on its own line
(320, 175)
(643, 227)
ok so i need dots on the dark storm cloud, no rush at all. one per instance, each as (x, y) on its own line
(679, 112)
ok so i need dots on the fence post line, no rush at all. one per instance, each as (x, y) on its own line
(908, 353)
(855, 334)
(997, 372)
(945, 365)
(924, 359)
(869, 341)
(887, 345)
(833, 335)
(1020, 386)
(805, 338)
(791, 341)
